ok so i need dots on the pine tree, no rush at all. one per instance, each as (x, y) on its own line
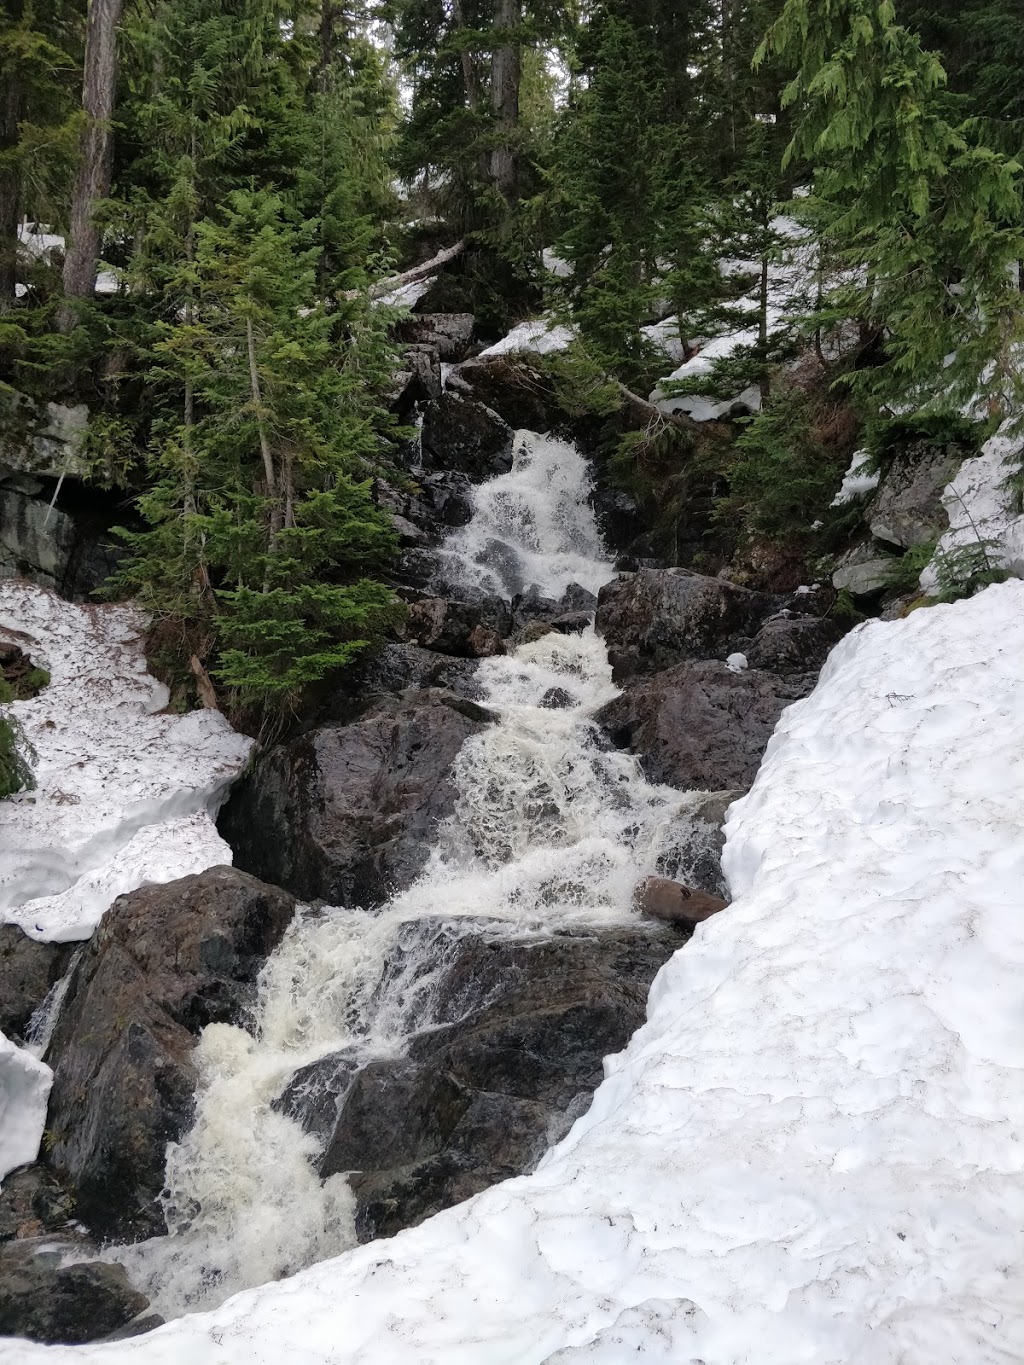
(263, 529)
(926, 211)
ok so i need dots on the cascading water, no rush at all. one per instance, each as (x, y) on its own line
(550, 829)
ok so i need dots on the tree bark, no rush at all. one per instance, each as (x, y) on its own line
(506, 74)
(413, 276)
(10, 175)
(330, 13)
(96, 153)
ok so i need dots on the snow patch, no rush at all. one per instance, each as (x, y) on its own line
(24, 1089)
(542, 336)
(981, 508)
(857, 480)
(814, 1148)
(123, 796)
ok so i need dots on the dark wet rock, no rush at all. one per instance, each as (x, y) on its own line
(620, 519)
(572, 623)
(427, 509)
(34, 1201)
(699, 725)
(578, 598)
(346, 813)
(787, 644)
(673, 903)
(460, 434)
(62, 1305)
(512, 386)
(556, 699)
(694, 855)
(907, 509)
(418, 381)
(397, 667)
(28, 971)
(166, 961)
(465, 629)
(449, 334)
(660, 617)
(68, 548)
(522, 1026)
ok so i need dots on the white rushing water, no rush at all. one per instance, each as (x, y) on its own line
(550, 829)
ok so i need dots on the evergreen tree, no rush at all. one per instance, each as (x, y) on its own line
(262, 530)
(927, 212)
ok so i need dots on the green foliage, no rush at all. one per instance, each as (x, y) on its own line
(926, 210)
(15, 757)
(789, 460)
(968, 569)
(262, 530)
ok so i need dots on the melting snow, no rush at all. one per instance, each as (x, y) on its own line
(542, 336)
(24, 1090)
(814, 1149)
(124, 795)
(981, 508)
(857, 480)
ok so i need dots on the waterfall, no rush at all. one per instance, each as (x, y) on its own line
(550, 829)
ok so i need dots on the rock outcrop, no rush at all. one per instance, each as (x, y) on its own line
(28, 971)
(700, 725)
(673, 903)
(907, 509)
(63, 1305)
(655, 618)
(520, 1030)
(464, 436)
(345, 813)
(166, 961)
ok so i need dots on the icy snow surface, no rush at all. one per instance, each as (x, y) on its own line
(981, 507)
(813, 1151)
(123, 796)
(857, 480)
(24, 1090)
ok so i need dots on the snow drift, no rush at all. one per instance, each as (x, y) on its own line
(813, 1150)
(124, 796)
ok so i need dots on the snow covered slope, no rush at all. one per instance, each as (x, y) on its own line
(124, 796)
(981, 507)
(814, 1150)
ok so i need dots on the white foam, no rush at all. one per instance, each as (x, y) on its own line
(534, 525)
(24, 1089)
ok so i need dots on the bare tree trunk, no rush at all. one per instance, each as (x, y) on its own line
(764, 296)
(469, 74)
(506, 73)
(10, 174)
(330, 13)
(268, 458)
(96, 154)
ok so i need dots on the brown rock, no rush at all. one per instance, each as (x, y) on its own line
(659, 898)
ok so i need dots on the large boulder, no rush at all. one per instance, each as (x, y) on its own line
(461, 435)
(521, 1028)
(346, 813)
(907, 508)
(473, 630)
(28, 972)
(397, 667)
(67, 547)
(794, 644)
(701, 725)
(865, 571)
(66, 1305)
(167, 960)
(655, 618)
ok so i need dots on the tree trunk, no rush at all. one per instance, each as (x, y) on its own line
(96, 153)
(330, 13)
(10, 174)
(506, 72)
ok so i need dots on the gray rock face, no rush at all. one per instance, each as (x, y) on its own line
(42, 438)
(864, 571)
(700, 726)
(908, 506)
(399, 667)
(67, 549)
(467, 437)
(28, 970)
(33, 1201)
(659, 617)
(165, 962)
(346, 813)
(57, 1305)
(522, 1028)
(450, 334)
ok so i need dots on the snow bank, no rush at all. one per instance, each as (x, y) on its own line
(981, 507)
(542, 336)
(24, 1089)
(124, 796)
(813, 1151)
